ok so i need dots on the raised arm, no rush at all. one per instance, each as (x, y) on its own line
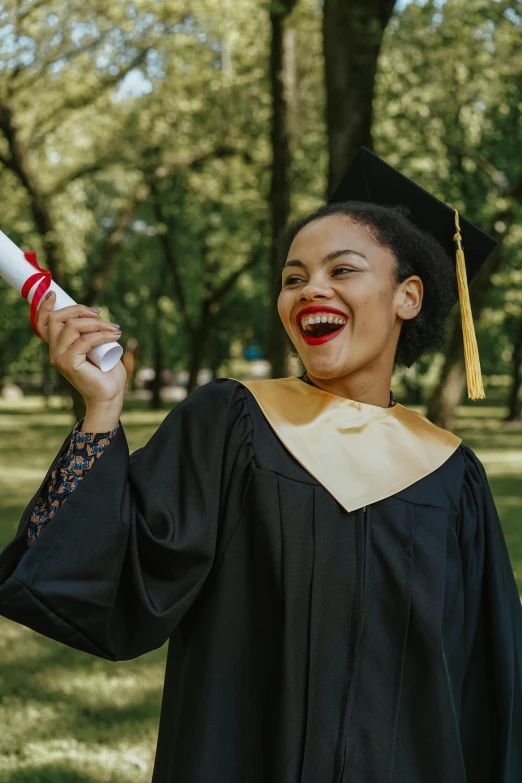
(123, 560)
(71, 333)
(83, 451)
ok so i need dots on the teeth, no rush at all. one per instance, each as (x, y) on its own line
(309, 320)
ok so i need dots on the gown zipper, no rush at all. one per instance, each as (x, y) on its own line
(362, 605)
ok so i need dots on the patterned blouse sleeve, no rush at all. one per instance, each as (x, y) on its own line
(84, 449)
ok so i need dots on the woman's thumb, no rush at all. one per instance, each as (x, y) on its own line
(48, 298)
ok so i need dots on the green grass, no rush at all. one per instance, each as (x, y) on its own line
(68, 717)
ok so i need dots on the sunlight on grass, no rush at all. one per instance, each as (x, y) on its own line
(507, 462)
(65, 711)
(71, 760)
(68, 717)
(97, 689)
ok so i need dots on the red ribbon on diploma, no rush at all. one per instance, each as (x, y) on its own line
(45, 278)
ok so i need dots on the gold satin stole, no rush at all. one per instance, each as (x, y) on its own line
(360, 453)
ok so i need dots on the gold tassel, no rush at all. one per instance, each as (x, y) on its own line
(471, 354)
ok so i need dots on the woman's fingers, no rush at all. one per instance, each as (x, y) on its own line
(42, 315)
(74, 356)
(73, 311)
(75, 327)
(53, 320)
(71, 333)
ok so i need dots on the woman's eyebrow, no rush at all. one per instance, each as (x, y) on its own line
(337, 253)
(329, 257)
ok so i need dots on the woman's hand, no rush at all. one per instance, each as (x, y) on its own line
(71, 333)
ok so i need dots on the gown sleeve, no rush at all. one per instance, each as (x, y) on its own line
(83, 450)
(491, 709)
(125, 557)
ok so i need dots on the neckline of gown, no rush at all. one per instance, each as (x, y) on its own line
(391, 409)
(343, 443)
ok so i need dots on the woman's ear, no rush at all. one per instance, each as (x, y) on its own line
(410, 297)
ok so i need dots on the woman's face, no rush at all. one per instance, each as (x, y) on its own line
(338, 276)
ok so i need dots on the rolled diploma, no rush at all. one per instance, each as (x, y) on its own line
(16, 269)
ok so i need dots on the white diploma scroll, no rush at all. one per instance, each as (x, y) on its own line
(16, 269)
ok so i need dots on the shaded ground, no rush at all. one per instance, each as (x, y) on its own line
(68, 717)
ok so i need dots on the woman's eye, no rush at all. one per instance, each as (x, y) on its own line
(294, 279)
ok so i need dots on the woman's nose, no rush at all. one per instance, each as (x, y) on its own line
(314, 289)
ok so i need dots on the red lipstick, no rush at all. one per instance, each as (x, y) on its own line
(319, 309)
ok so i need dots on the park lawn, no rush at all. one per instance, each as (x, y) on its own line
(68, 717)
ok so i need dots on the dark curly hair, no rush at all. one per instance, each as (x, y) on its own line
(417, 253)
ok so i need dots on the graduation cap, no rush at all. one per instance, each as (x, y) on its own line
(369, 179)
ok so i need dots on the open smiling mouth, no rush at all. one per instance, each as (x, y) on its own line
(318, 325)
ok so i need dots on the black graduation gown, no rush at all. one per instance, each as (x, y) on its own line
(307, 644)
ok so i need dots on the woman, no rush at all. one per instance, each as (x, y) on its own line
(328, 566)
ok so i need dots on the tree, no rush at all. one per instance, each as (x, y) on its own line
(447, 114)
(352, 36)
(282, 81)
(515, 396)
(56, 52)
(110, 96)
(213, 286)
(452, 382)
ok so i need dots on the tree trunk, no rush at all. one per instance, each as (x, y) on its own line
(78, 404)
(452, 382)
(107, 254)
(47, 376)
(515, 395)
(199, 340)
(19, 165)
(282, 80)
(413, 391)
(155, 402)
(352, 37)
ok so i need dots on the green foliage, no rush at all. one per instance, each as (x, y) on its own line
(106, 96)
(447, 112)
(136, 91)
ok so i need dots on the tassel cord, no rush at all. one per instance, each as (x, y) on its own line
(471, 353)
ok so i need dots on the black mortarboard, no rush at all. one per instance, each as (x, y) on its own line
(371, 180)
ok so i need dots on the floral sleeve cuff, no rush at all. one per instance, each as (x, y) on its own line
(83, 451)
